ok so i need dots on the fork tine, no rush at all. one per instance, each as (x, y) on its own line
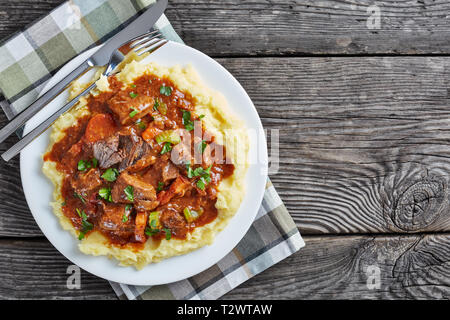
(155, 46)
(145, 42)
(145, 37)
(147, 34)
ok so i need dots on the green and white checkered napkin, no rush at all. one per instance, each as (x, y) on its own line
(29, 59)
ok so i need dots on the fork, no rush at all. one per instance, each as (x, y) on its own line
(146, 43)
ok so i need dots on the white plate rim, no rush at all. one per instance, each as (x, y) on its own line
(259, 190)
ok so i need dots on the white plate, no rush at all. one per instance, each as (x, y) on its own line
(38, 189)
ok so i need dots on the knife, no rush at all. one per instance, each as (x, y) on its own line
(139, 26)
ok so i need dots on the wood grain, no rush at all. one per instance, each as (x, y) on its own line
(409, 267)
(279, 27)
(363, 143)
(297, 27)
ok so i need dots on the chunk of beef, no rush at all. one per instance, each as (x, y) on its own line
(172, 220)
(140, 225)
(177, 189)
(125, 148)
(123, 104)
(71, 156)
(84, 183)
(112, 222)
(141, 189)
(134, 149)
(163, 170)
(107, 152)
(147, 205)
(169, 172)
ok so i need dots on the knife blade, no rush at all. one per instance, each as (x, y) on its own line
(139, 26)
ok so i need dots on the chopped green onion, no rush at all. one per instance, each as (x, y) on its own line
(190, 215)
(156, 104)
(190, 172)
(167, 91)
(105, 193)
(110, 175)
(162, 108)
(129, 191)
(153, 221)
(133, 113)
(76, 195)
(167, 147)
(133, 95)
(170, 136)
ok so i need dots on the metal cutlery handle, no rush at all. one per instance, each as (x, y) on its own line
(14, 150)
(29, 112)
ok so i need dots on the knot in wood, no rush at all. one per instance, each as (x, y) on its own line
(420, 204)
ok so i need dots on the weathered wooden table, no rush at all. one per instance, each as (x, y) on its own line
(361, 96)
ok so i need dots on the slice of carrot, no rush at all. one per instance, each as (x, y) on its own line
(150, 133)
(100, 126)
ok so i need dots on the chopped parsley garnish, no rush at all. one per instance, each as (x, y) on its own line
(133, 113)
(201, 116)
(167, 147)
(86, 226)
(188, 123)
(160, 186)
(133, 86)
(204, 174)
(128, 208)
(133, 95)
(205, 177)
(201, 184)
(129, 192)
(110, 175)
(202, 146)
(76, 195)
(105, 193)
(83, 165)
(168, 234)
(167, 91)
(63, 204)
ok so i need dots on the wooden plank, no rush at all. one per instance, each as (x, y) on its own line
(407, 267)
(364, 143)
(327, 268)
(278, 27)
(34, 269)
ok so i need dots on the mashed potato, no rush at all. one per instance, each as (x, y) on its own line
(228, 131)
